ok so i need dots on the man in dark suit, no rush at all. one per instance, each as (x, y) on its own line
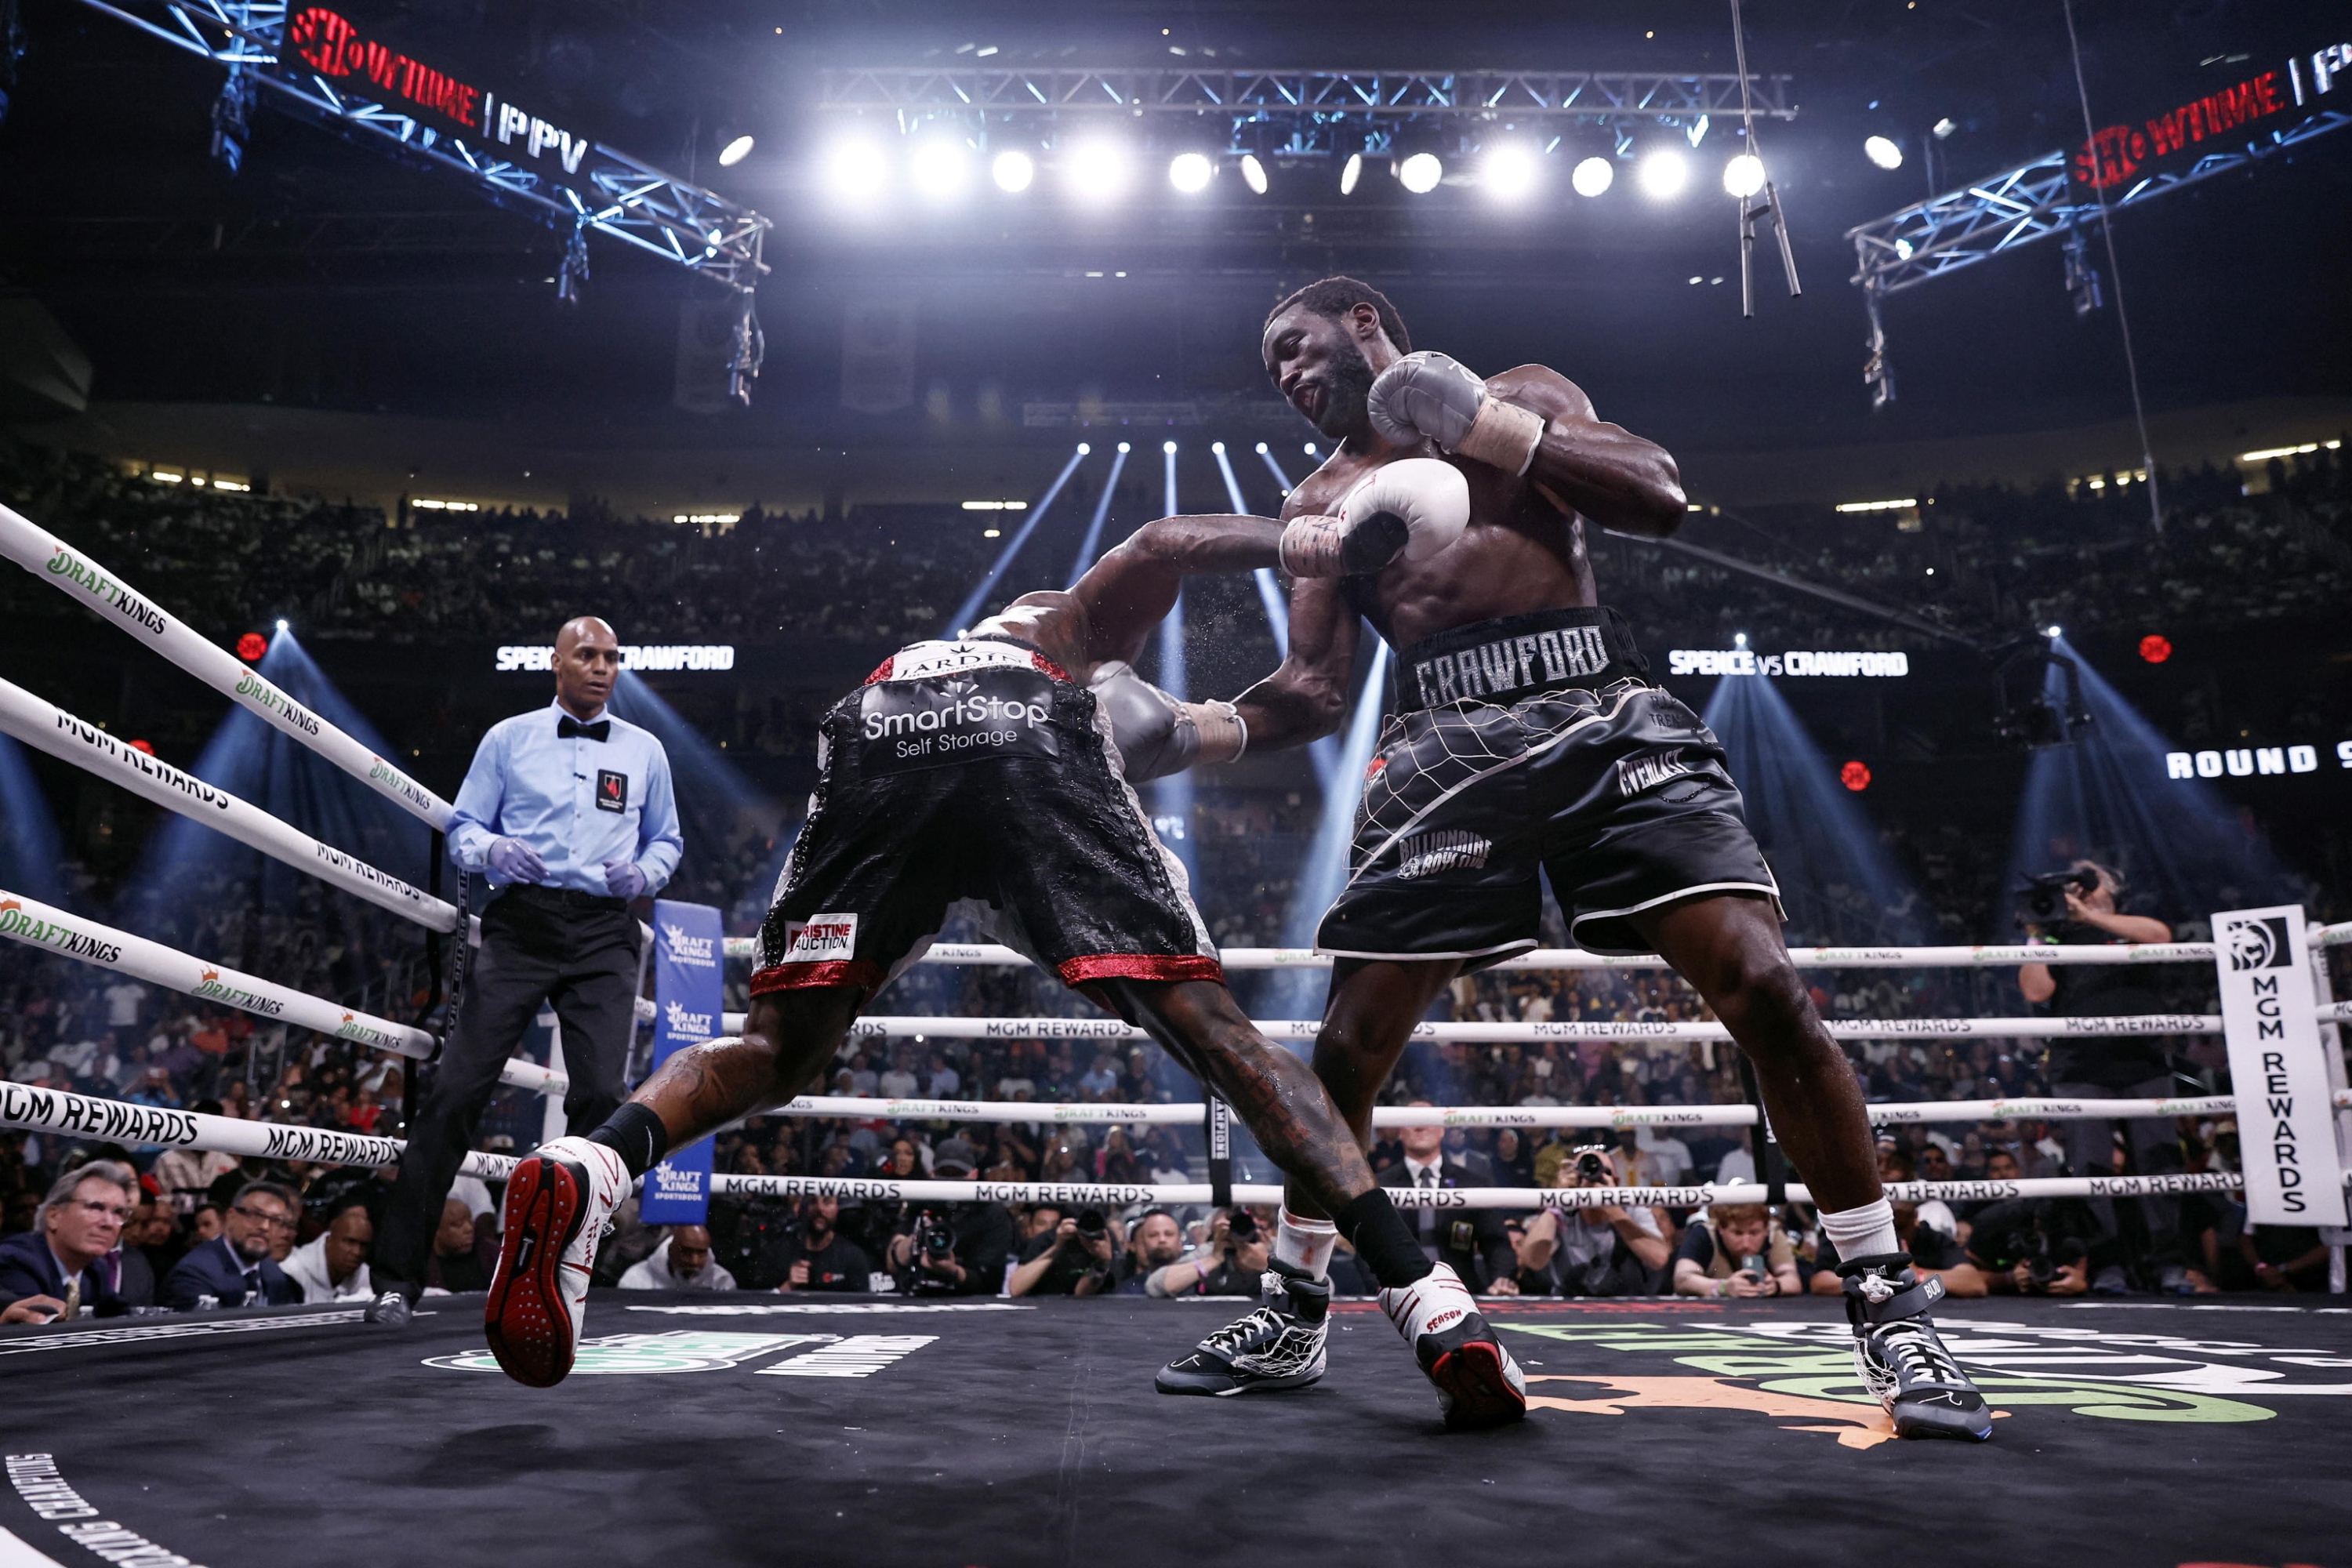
(61, 1257)
(236, 1268)
(1474, 1241)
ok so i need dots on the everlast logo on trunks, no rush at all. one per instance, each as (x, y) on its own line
(1510, 665)
(1636, 775)
(612, 790)
(908, 724)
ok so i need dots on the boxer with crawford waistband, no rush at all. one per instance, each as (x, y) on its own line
(1524, 743)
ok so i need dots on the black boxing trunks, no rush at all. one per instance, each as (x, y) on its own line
(1532, 745)
(976, 770)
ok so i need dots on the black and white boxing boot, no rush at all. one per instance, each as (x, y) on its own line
(1278, 1346)
(1898, 1355)
(1478, 1384)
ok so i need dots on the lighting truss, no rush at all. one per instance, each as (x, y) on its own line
(1301, 112)
(2033, 201)
(614, 194)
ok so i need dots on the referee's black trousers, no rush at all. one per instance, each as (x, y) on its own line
(539, 946)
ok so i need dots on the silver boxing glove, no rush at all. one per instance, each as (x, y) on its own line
(1431, 395)
(1157, 735)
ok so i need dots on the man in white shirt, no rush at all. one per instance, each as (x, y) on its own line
(682, 1262)
(123, 1000)
(899, 1081)
(333, 1265)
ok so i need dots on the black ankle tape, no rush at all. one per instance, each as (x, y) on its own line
(636, 1134)
(1374, 1228)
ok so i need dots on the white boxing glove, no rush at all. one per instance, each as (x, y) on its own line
(1412, 508)
(1431, 396)
(1156, 734)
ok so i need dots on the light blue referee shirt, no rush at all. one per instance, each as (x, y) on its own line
(576, 802)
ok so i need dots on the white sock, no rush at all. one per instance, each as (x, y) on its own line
(1307, 1244)
(1864, 1232)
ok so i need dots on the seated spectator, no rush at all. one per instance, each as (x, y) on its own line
(1895, 1165)
(2285, 1258)
(457, 1262)
(951, 1249)
(333, 1265)
(1609, 1249)
(1735, 1250)
(80, 1222)
(236, 1268)
(817, 1257)
(682, 1262)
(1229, 1261)
(2026, 1246)
(1074, 1258)
(1153, 1242)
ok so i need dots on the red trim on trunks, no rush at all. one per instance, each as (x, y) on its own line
(806, 976)
(1136, 966)
(1050, 667)
(881, 672)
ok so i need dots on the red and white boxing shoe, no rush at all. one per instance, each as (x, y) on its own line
(1478, 1384)
(559, 1203)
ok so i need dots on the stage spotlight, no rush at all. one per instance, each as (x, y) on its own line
(1169, 448)
(856, 170)
(1883, 152)
(1012, 171)
(1420, 173)
(1254, 174)
(1744, 175)
(1261, 449)
(1663, 174)
(940, 166)
(1122, 447)
(1510, 172)
(1593, 175)
(735, 152)
(1350, 172)
(1097, 170)
(1218, 447)
(281, 626)
(1191, 173)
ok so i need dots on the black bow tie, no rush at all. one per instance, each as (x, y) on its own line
(567, 727)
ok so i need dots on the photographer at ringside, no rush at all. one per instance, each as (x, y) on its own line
(943, 1249)
(1076, 1257)
(1229, 1262)
(2079, 906)
(2033, 1247)
(1608, 1249)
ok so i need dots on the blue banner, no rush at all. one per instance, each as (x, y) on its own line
(688, 995)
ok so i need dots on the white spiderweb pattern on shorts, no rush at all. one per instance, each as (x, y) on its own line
(1431, 755)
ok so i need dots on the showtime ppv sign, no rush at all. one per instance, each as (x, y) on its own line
(2119, 154)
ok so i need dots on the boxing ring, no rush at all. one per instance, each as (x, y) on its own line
(986, 1430)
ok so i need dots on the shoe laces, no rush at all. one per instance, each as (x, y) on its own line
(1919, 1354)
(1260, 1324)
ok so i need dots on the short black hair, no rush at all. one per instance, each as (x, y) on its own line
(1335, 297)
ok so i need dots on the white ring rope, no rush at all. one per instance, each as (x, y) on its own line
(88, 1116)
(86, 582)
(119, 1122)
(2041, 1107)
(1551, 958)
(940, 1026)
(36, 924)
(84, 745)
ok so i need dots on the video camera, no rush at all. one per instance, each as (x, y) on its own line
(934, 1235)
(2042, 900)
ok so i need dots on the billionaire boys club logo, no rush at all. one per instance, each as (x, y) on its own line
(2259, 943)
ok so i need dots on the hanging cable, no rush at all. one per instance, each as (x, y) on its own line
(2115, 273)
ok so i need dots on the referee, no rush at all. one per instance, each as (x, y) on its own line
(570, 810)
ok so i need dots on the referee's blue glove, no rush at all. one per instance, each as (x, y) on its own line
(624, 878)
(516, 861)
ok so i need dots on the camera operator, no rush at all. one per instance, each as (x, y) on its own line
(1610, 1249)
(1228, 1262)
(1736, 1250)
(1153, 1242)
(1075, 1257)
(2128, 1067)
(951, 1249)
(2033, 1247)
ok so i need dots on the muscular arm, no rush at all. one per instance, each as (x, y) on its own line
(1131, 589)
(1307, 698)
(1603, 470)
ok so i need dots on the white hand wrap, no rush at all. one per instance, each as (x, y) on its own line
(1224, 734)
(1503, 435)
(1310, 546)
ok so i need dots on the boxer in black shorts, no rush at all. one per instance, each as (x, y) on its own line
(997, 766)
(1525, 737)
